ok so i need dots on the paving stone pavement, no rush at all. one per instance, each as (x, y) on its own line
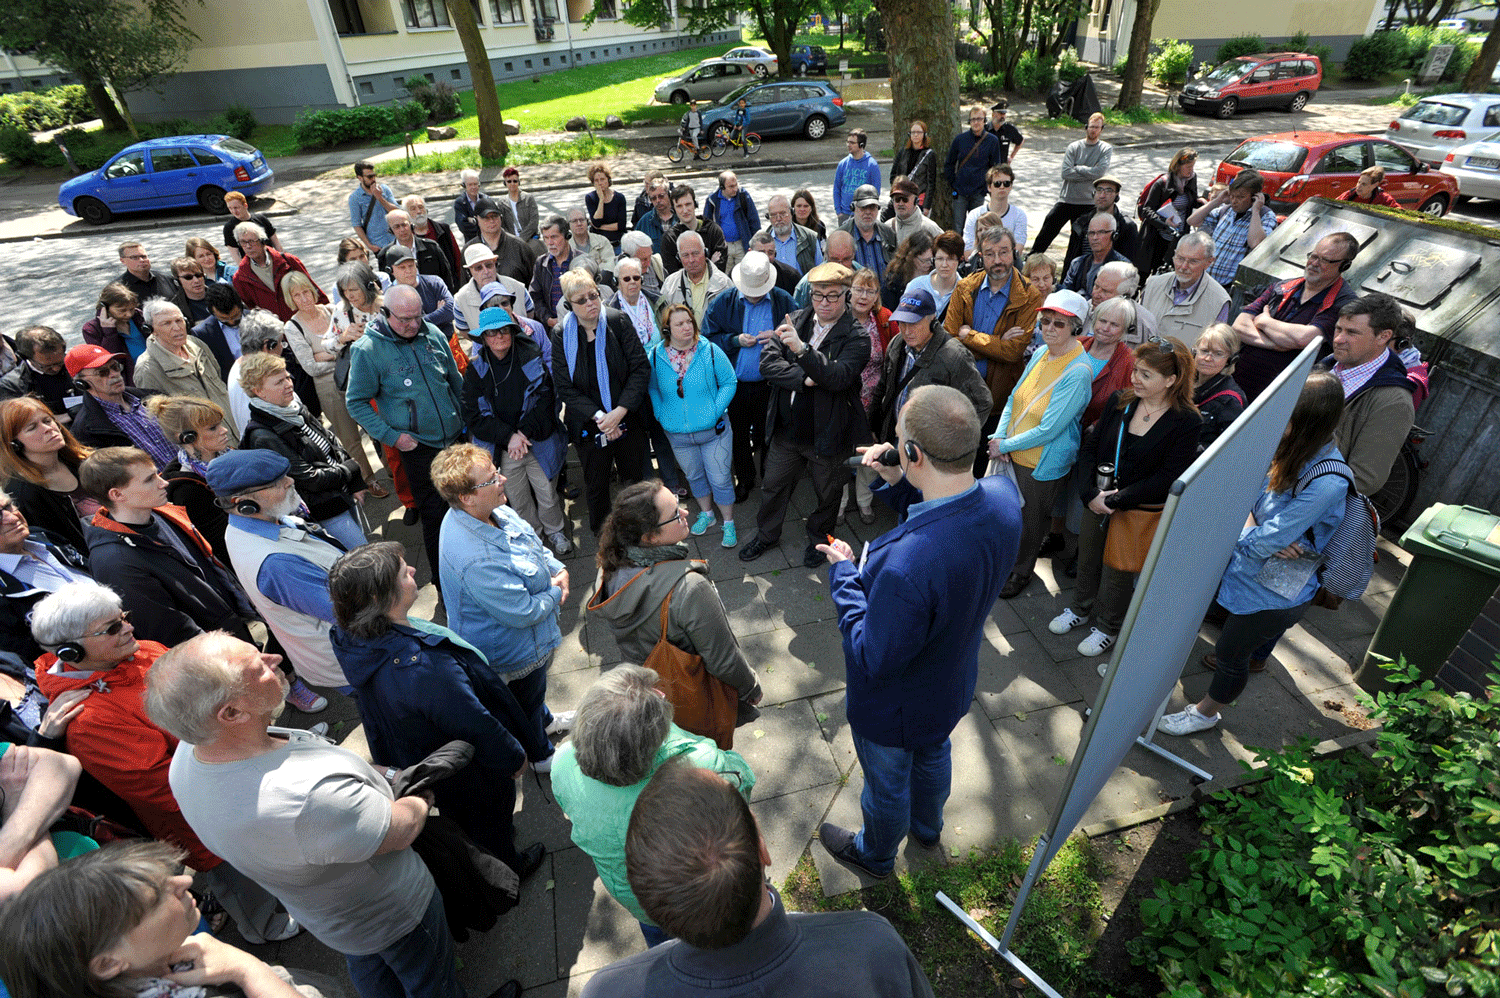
(1010, 752)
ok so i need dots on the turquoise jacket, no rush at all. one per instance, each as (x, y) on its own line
(706, 388)
(415, 383)
(1061, 427)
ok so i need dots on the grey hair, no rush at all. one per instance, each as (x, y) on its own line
(66, 614)
(687, 238)
(155, 307)
(838, 236)
(1202, 240)
(627, 261)
(1121, 309)
(413, 199)
(249, 228)
(1129, 277)
(363, 585)
(585, 263)
(578, 212)
(394, 212)
(994, 234)
(187, 686)
(621, 723)
(259, 327)
(1108, 216)
(763, 238)
(632, 241)
(778, 197)
(464, 176)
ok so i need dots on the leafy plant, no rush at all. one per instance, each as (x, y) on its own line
(1302, 42)
(320, 129)
(1348, 875)
(1170, 60)
(1035, 73)
(44, 110)
(237, 120)
(20, 149)
(1121, 64)
(1069, 67)
(1372, 56)
(1239, 45)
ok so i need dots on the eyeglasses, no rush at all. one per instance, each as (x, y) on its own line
(587, 299)
(901, 198)
(190, 277)
(113, 367)
(114, 628)
(1323, 259)
(393, 317)
(513, 180)
(492, 480)
(626, 277)
(681, 514)
(827, 296)
(1001, 183)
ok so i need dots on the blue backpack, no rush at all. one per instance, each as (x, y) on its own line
(1349, 557)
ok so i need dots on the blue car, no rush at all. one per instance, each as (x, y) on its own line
(809, 60)
(173, 172)
(803, 107)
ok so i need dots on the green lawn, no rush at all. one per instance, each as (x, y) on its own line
(521, 154)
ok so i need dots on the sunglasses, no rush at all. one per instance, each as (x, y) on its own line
(587, 299)
(1000, 183)
(901, 198)
(624, 278)
(114, 628)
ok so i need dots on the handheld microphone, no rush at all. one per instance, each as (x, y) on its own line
(890, 459)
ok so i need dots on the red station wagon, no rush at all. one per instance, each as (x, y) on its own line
(1286, 80)
(1300, 165)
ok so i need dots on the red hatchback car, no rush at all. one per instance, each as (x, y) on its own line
(1301, 165)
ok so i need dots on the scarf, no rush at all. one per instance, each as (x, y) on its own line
(648, 556)
(192, 464)
(571, 337)
(296, 414)
(680, 359)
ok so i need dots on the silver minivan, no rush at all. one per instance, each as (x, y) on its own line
(708, 80)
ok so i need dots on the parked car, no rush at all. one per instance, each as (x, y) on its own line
(1273, 79)
(1476, 166)
(709, 80)
(809, 60)
(806, 107)
(1300, 165)
(1434, 125)
(172, 172)
(761, 62)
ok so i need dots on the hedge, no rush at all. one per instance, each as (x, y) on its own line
(321, 129)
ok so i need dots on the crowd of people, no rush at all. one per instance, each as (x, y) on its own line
(184, 550)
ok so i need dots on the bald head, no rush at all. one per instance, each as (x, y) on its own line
(841, 247)
(398, 295)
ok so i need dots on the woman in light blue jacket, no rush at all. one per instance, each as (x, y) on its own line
(1272, 575)
(1041, 424)
(692, 383)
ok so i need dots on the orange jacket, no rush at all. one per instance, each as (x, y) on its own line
(119, 746)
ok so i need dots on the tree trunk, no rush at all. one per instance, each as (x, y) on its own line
(492, 142)
(1477, 79)
(924, 80)
(104, 105)
(1140, 48)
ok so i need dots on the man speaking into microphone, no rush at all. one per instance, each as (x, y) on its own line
(912, 615)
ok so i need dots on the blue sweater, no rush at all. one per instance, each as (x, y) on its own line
(1061, 427)
(913, 616)
(706, 388)
(849, 176)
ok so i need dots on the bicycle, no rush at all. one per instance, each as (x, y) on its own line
(723, 139)
(1400, 490)
(683, 146)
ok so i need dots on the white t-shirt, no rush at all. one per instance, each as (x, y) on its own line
(304, 822)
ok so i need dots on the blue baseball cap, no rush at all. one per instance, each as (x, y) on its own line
(916, 305)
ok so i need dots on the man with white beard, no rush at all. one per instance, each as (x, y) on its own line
(281, 560)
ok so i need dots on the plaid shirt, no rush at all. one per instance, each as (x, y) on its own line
(136, 423)
(1355, 378)
(1232, 239)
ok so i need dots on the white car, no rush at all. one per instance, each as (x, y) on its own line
(1434, 125)
(1476, 167)
(760, 61)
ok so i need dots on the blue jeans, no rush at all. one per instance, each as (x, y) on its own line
(706, 460)
(418, 965)
(904, 790)
(530, 692)
(345, 529)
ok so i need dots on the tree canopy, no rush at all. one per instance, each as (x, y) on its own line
(776, 21)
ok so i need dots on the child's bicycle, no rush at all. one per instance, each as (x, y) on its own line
(685, 145)
(724, 138)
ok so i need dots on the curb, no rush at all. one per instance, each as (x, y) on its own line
(77, 231)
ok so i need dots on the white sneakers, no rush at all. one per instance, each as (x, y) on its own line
(1065, 622)
(1097, 643)
(561, 721)
(1186, 721)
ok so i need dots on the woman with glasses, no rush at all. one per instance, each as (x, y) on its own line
(1164, 210)
(942, 279)
(194, 283)
(602, 378)
(917, 161)
(1148, 435)
(1218, 398)
(176, 363)
(692, 383)
(118, 326)
(313, 334)
(914, 258)
(644, 562)
(40, 458)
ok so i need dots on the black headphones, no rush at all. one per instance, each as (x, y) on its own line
(247, 507)
(18, 447)
(385, 312)
(1344, 265)
(82, 385)
(912, 450)
(187, 436)
(71, 652)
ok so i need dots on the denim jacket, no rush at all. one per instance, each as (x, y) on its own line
(497, 584)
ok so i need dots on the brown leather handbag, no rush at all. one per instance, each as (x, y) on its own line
(701, 702)
(1129, 538)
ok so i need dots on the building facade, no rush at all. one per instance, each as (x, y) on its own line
(280, 57)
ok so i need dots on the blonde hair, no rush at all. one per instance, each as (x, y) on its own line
(179, 414)
(1223, 335)
(450, 471)
(255, 368)
(293, 282)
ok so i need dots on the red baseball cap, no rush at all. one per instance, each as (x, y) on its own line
(88, 355)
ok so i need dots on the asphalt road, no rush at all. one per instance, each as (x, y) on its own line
(55, 281)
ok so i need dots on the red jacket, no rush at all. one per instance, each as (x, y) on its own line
(1115, 376)
(256, 295)
(119, 746)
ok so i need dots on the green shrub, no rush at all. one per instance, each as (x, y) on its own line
(20, 149)
(1239, 45)
(874, 32)
(1069, 68)
(321, 129)
(1372, 56)
(1302, 42)
(1348, 875)
(242, 121)
(1121, 64)
(1035, 73)
(44, 110)
(1171, 60)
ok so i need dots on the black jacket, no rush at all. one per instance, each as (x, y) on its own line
(713, 244)
(17, 599)
(326, 484)
(836, 365)
(23, 379)
(629, 374)
(92, 425)
(170, 598)
(1127, 236)
(431, 260)
(50, 510)
(1161, 454)
(187, 488)
(211, 332)
(1220, 402)
(538, 416)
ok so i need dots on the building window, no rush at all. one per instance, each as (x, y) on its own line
(606, 10)
(546, 61)
(367, 88)
(456, 74)
(347, 18)
(425, 13)
(510, 67)
(508, 11)
(528, 63)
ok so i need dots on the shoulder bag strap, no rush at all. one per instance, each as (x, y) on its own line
(369, 213)
(1037, 397)
(972, 150)
(1120, 440)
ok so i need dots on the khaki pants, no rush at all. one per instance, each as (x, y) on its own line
(531, 493)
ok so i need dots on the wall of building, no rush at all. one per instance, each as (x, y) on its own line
(1207, 24)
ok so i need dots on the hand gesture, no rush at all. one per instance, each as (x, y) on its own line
(61, 711)
(1097, 503)
(518, 446)
(837, 551)
(560, 580)
(208, 961)
(789, 338)
(890, 474)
